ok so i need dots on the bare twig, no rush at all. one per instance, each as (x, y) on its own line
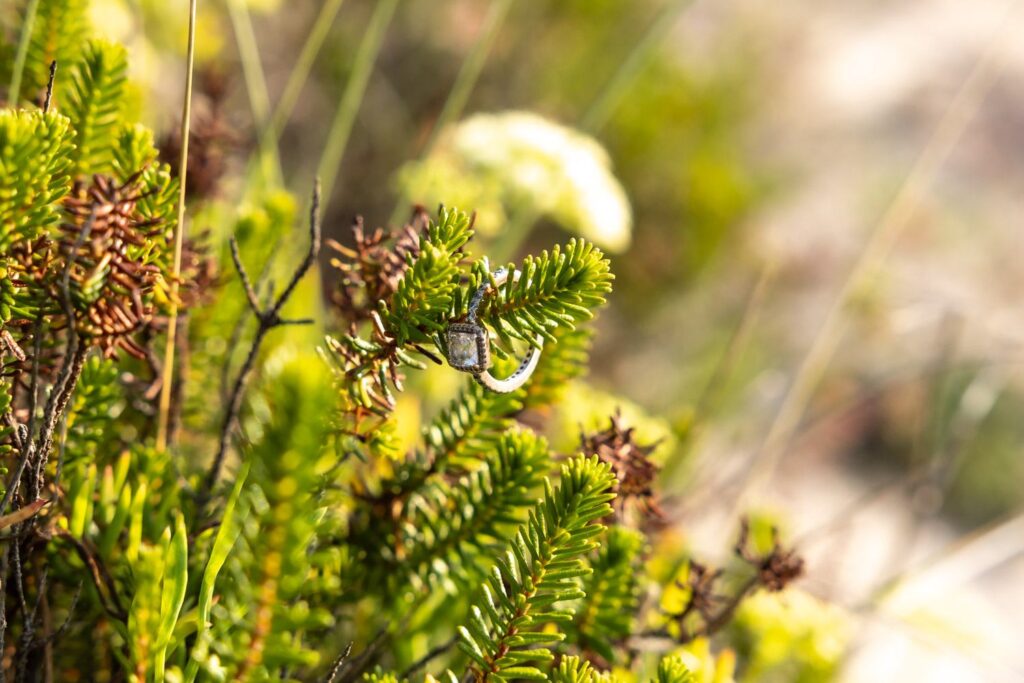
(101, 578)
(356, 666)
(261, 285)
(250, 293)
(267, 318)
(63, 387)
(52, 416)
(4, 570)
(50, 638)
(332, 675)
(33, 390)
(773, 571)
(70, 369)
(28, 634)
(49, 87)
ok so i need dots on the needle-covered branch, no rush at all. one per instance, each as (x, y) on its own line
(537, 576)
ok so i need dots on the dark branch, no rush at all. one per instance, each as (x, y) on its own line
(311, 254)
(63, 387)
(243, 275)
(100, 575)
(332, 676)
(49, 87)
(268, 318)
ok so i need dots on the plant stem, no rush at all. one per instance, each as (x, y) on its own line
(14, 93)
(179, 236)
(601, 109)
(256, 87)
(267, 318)
(351, 98)
(303, 65)
(469, 73)
(466, 79)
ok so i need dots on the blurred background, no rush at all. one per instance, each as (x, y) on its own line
(813, 211)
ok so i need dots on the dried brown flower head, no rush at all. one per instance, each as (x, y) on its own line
(776, 569)
(374, 265)
(631, 464)
(702, 585)
(108, 244)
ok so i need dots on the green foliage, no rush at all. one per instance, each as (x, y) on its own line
(453, 529)
(672, 670)
(60, 30)
(281, 515)
(227, 535)
(161, 573)
(556, 289)
(469, 426)
(92, 411)
(94, 104)
(537, 571)
(793, 637)
(35, 153)
(6, 431)
(426, 292)
(572, 669)
(378, 675)
(606, 616)
(331, 523)
(135, 155)
(561, 362)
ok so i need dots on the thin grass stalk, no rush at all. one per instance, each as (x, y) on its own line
(469, 72)
(465, 81)
(708, 401)
(877, 248)
(615, 89)
(270, 129)
(14, 92)
(508, 243)
(256, 88)
(179, 237)
(303, 66)
(352, 96)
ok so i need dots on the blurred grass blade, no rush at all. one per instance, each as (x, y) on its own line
(469, 72)
(227, 534)
(601, 110)
(882, 237)
(81, 503)
(28, 25)
(173, 593)
(303, 65)
(256, 88)
(466, 79)
(352, 96)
